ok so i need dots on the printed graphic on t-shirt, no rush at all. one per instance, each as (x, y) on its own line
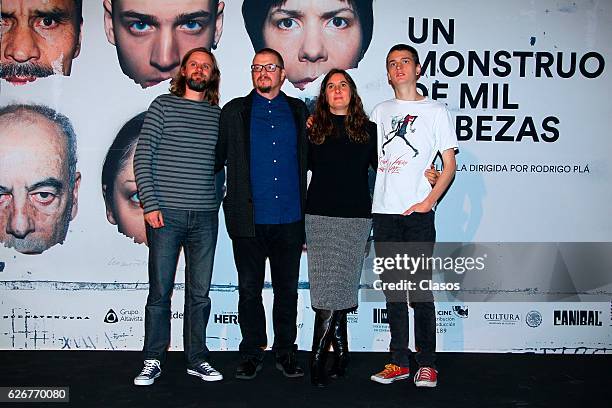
(389, 166)
(403, 127)
(410, 135)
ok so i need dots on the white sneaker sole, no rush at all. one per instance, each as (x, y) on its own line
(205, 377)
(147, 381)
(426, 384)
(389, 380)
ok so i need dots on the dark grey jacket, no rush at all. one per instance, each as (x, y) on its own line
(233, 151)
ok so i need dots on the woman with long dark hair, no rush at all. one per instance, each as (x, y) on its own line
(338, 214)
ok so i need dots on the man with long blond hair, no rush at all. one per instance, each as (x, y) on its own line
(174, 168)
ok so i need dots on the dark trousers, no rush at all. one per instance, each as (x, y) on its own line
(397, 229)
(282, 245)
(196, 233)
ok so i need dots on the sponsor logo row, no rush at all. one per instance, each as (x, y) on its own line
(135, 315)
(444, 317)
(533, 318)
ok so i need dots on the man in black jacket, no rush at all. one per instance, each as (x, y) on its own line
(263, 143)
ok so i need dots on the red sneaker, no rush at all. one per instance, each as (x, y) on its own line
(391, 373)
(426, 377)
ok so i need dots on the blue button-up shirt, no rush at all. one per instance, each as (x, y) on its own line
(275, 181)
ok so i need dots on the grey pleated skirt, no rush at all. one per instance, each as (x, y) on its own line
(336, 249)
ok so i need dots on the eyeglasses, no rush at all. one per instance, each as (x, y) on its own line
(268, 67)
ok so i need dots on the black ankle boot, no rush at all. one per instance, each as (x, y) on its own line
(321, 339)
(340, 344)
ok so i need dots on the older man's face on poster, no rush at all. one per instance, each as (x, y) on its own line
(39, 38)
(38, 193)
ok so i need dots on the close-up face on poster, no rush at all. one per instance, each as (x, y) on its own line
(526, 86)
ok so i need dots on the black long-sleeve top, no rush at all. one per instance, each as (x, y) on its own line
(339, 183)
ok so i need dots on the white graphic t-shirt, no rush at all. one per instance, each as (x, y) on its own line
(410, 135)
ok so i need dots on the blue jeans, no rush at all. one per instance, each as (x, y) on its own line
(196, 233)
(415, 228)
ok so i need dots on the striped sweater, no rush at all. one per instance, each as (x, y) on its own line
(175, 155)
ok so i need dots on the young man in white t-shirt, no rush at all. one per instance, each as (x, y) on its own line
(412, 131)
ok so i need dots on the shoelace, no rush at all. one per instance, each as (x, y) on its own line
(426, 373)
(148, 368)
(389, 368)
(207, 368)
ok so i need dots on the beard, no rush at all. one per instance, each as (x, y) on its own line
(198, 86)
(264, 84)
(264, 88)
(26, 69)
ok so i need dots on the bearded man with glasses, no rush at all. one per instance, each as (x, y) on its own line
(263, 144)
